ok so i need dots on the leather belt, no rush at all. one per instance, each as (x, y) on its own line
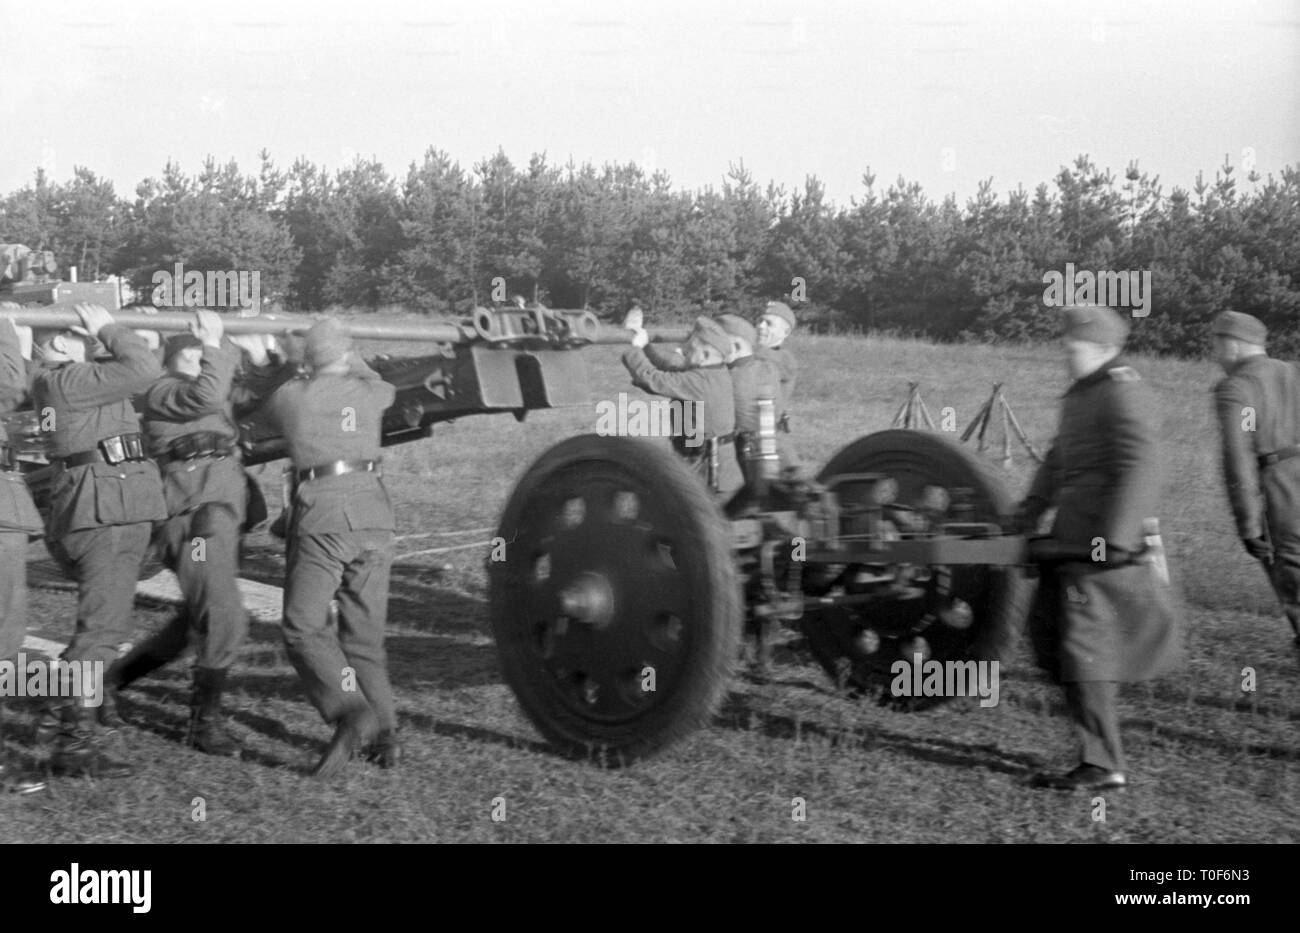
(1277, 456)
(198, 444)
(120, 448)
(337, 468)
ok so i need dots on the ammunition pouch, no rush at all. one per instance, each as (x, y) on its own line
(199, 444)
(120, 448)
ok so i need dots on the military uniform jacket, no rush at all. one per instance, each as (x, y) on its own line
(1113, 620)
(788, 369)
(753, 378)
(1103, 471)
(17, 511)
(1258, 409)
(89, 402)
(709, 385)
(336, 417)
(175, 406)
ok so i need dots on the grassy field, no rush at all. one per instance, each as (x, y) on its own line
(1208, 763)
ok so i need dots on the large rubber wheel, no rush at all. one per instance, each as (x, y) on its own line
(997, 597)
(617, 609)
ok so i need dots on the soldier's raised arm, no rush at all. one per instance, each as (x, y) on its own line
(676, 384)
(130, 371)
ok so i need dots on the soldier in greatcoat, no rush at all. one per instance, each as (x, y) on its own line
(1104, 613)
(1257, 405)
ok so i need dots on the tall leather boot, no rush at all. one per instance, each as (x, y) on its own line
(145, 658)
(12, 778)
(76, 753)
(207, 723)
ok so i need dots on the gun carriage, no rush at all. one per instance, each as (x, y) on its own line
(627, 590)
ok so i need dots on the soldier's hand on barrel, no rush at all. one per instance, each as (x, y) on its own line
(640, 338)
(94, 318)
(207, 327)
(256, 347)
(1259, 548)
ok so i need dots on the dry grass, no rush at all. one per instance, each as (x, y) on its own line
(1209, 764)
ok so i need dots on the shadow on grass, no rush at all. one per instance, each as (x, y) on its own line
(428, 725)
(739, 714)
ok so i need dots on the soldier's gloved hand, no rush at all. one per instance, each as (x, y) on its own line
(640, 337)
(634, 320)
(207, 327)
(1259, 548)
(93, 318)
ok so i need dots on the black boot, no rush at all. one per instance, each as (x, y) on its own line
(145, 658)
(12, 778)
(386, 750)
(76, 754)
(207, 724)
(353, 731)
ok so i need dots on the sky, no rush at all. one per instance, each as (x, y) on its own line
(945, 94)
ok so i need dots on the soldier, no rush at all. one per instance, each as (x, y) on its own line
(1102, 614)
(18, 519)
(105, 495)
(189, 430)
(752, 378)
(774, 326)
(706, 387)
(339, 544)
(1258, 408)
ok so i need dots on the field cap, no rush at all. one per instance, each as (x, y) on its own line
(326, 342)
(178, 343)
(737, 326)
(710, 332)
(1096, 324)
(1241, 326)
(782, 310)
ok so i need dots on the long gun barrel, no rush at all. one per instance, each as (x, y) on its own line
(510, 326)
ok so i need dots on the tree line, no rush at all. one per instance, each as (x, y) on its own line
(445, 238)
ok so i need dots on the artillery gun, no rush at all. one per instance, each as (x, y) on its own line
(29, 277)
(621, 604)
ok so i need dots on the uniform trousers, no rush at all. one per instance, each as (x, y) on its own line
(334, 663)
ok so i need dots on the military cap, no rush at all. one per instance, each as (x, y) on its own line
(737, 326)
(710, 333)
(178, 343)
(782, 310)
(1241, 326)
(326, 342)
(1096, 324)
